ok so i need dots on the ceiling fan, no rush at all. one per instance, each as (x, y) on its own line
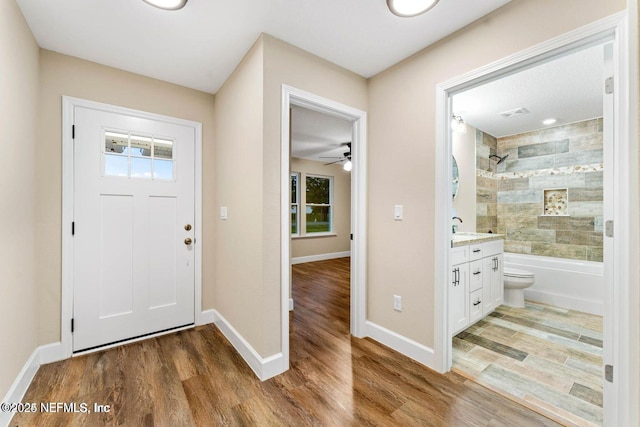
(346, 155)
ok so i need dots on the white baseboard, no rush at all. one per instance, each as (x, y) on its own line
(206, 317)
(264, 368)
(40, 356)
(414, 350)
(320, 257)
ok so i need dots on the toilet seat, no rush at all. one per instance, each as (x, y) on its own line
(517, 273)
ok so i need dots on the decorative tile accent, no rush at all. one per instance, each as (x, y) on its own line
(556, 202)
(567, 157)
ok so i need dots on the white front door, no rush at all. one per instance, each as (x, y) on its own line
(133, 257)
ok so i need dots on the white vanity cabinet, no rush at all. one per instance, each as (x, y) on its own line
(476, 287)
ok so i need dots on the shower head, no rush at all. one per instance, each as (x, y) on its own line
(500, 159)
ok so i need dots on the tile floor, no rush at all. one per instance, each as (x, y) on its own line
(549, 358)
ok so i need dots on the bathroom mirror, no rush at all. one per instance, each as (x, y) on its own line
(456, 176)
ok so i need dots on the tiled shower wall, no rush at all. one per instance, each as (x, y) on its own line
(486, 183)
(564, 157)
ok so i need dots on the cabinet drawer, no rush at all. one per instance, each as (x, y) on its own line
(475, 305)
(459, 255)
(475, 251)
(475, 275)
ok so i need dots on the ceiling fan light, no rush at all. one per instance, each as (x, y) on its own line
(167, 4)
(348, 166)
(409, 8)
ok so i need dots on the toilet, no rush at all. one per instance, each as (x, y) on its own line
(515, 282)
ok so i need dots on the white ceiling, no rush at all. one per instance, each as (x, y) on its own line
(316, 135)
(200, 45)
(569, 89)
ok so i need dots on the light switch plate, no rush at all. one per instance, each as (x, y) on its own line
(397, 212)
(223, 212)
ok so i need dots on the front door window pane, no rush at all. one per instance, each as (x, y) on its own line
(140, 167)
(163, 169)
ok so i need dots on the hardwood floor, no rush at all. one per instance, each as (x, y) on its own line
(196, 378)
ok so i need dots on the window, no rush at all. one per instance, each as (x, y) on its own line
(295, 203)
(137, 156)
(318, 208)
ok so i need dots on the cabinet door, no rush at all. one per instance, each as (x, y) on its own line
(497, 280)
(459, 298)
(492, 283)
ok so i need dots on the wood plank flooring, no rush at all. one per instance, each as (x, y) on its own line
(549, 357)
(196, 378)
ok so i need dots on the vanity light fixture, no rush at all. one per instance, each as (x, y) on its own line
(409, 8)
(458, 124)
(549, 121)
(167, 4)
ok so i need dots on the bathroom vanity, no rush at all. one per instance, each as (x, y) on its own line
(476, 287)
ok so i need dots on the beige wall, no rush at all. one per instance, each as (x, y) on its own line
(248, 134)
(463, 147)
(239, 256)
(18, 112)
(341, 242)
(402, 116)
(64, 75)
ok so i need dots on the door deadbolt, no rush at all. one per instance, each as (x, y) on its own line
(188, 241)
(187, 227)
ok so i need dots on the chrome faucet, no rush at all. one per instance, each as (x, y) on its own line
(454, 227)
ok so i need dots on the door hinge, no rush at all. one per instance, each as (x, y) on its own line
(608, 228)
(73, 228)
(608, 373)
(72, 325)
(351, 237)
(73, 131)
(608, 86)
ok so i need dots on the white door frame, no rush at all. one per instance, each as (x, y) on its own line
(621, 397)
(68, 105)
(293, 96)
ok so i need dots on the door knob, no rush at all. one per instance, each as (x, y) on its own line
(187, 241)
(187, 227)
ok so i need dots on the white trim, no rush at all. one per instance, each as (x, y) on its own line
(320, 257)
(293, 96)
(613, 28)
(264, 368)
(290, 304)
(401, 344)
(40, 356)
(68, 105)
(207, 316)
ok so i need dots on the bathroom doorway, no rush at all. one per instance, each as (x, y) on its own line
(536, 179)
(614, 202)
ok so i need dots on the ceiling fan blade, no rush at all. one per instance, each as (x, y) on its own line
(337, 161)
(330, 157)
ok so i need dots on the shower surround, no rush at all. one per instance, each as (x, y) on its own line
(510, 196)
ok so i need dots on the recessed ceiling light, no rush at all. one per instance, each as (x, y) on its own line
(409, 8)
(167, 4)
(549, 121)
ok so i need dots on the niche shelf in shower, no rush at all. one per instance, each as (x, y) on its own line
(556, 202)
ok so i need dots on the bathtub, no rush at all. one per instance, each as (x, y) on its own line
(565, 283)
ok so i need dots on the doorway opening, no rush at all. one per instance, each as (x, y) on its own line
(610, 32)
(319, 213)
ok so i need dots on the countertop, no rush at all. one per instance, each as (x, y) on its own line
(462, 238)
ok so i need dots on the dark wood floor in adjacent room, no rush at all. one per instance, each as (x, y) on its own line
(196, 378)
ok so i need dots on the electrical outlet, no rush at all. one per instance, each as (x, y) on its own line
(397, 303)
